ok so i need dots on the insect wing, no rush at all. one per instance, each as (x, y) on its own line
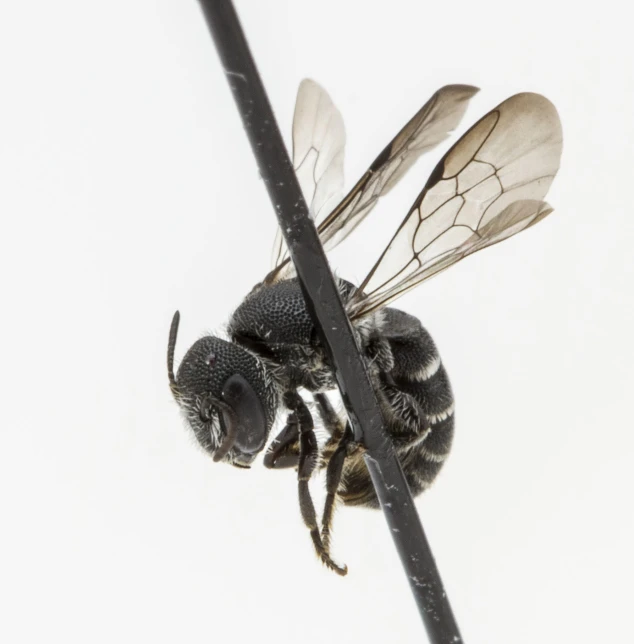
(431, 125)
(319, 140)
(489, 186)
(317, 129)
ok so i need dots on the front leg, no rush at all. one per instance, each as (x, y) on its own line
(308, 458)
(283, 452)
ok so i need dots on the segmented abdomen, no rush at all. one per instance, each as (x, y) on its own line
(418, 407)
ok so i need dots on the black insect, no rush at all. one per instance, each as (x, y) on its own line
(489, 186)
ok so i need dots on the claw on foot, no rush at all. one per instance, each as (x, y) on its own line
(325, 557)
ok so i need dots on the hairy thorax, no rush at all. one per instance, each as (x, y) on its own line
(273, 322)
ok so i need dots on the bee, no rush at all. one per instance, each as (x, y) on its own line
(489, 186)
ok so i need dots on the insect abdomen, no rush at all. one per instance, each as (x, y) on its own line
(418, 407)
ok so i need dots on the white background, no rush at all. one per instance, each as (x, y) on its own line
(128, 189)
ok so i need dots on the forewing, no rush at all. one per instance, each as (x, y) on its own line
(431, 125)
(489, 186)
(319, 140)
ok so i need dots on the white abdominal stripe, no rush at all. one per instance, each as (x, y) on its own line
(429, 370)
(434, 419)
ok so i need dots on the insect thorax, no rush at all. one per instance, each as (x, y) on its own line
(273, 322)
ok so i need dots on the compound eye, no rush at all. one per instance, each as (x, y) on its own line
(206, 410)
(211, 360)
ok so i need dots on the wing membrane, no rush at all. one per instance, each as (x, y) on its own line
(489, 186)
(431, 125)
(319, 140)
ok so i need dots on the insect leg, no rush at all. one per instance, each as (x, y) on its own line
(333, 479)
(332, 423)
(333, 456)
(284, 450)
(308, 456)
(329, 417)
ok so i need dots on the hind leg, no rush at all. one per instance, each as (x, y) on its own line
(308, 457)
(333, 481)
